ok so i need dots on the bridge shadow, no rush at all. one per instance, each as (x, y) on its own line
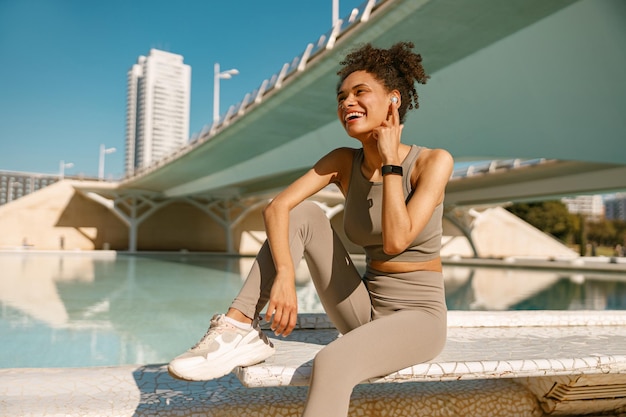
(162, 395)
(93, 221)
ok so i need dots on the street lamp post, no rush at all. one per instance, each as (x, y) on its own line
(62, 166)
(103, 151)
(217, 75)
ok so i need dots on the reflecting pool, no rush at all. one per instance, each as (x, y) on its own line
(66, 309)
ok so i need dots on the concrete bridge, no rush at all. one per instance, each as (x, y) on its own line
(521, 79)
(515, 79)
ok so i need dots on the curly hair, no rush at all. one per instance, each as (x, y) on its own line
(398, 68)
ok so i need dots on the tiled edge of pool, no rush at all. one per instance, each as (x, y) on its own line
(148, 390)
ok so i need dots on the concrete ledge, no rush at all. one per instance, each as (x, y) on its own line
(531, 364)
(550, 353)
(150, 391)
(479, 346)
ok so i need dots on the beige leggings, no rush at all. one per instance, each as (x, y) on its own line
(388, 321)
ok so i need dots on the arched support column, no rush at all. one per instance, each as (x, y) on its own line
(139, 207)
(227, 212)
(132, 208)
(463, 219)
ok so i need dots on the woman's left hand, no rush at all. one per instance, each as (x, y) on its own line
(388, 136)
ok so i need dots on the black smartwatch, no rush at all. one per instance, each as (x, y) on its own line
(391, 169)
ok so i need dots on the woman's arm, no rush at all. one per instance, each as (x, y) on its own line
(401, 223)
(283, 301)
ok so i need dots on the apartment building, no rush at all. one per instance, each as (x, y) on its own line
(157, 108)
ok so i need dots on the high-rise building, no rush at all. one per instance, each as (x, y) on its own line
(615, 207)
(157, 108)
(14, 184)
(591, 206)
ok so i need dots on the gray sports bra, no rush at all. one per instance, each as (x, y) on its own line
(363, 215)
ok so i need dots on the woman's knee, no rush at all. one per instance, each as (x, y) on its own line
(308, 219)
(308, 210)
(344, 370)
(326, 363)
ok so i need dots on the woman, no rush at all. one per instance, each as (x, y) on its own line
(395, 315)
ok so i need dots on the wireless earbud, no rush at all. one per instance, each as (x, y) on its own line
(394, 100)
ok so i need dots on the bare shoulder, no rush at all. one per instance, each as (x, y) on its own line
(337, 158)
(434, 158)
(438, 156)
(342, 153)
(338, 162)
(433, 163)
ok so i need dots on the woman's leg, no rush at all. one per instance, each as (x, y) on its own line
(341, 290)
(375, 349)
(409, 327)
(337, 281)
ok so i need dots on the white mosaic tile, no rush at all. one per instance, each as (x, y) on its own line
(495, 371)
(149, 391)
(479, 352)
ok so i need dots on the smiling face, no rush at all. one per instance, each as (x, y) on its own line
(362, 104)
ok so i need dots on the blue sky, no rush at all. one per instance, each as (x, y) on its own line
(64, 66)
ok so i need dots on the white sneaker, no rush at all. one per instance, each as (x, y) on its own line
(220, 350)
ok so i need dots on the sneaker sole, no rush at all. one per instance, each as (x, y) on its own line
(253, 354)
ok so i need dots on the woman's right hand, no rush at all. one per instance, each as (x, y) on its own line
(282, 310)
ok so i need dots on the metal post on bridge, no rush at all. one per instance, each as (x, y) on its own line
(103, 151)
(62, 166)
(217, 76)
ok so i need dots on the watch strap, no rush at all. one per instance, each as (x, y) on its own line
(391, 169)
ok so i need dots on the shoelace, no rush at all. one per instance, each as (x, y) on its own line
(215, 327)
(262, 335)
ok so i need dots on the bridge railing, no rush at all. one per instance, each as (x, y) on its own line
(298, 64)
(490, 167)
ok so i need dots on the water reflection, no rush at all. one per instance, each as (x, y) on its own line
(492, 289)
(29, 284)
(74, 309)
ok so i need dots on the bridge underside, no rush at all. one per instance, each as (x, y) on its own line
(515, 79)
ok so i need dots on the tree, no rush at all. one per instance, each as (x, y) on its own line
(602, 232)
(550, 217)
(620, 232)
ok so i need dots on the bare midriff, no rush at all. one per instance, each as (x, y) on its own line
(398, 267)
